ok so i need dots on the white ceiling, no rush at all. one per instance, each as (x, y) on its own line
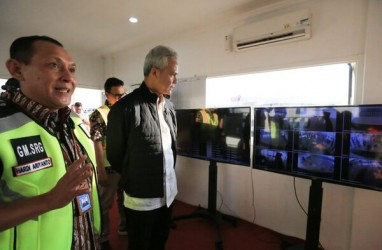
(101, 26)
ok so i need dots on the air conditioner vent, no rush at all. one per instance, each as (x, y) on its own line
(290, 27)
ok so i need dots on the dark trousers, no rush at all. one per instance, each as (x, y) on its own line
(148, 230)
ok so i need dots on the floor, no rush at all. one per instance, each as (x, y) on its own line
(200, 233)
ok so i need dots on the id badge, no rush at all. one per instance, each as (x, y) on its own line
(84, 203)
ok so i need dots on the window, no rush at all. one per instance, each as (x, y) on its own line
(318, 85)
(90, 98)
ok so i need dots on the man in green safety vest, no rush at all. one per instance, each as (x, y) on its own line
(108, 179)
(207, 121)
(48, 193)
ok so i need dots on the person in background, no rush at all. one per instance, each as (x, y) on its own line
(10, 87)
(142, 148)
(108, 179)
(77, 107)
(48, 193)
(207, 125)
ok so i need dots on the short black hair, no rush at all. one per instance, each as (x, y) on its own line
(112, 82)
(22, 48)
(11, 85)
(78, 104)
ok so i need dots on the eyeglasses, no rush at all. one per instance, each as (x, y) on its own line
(119, 96)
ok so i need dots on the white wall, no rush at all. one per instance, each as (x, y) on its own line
(90, 73)
(5, 43)
(342, 30)
(373, 48)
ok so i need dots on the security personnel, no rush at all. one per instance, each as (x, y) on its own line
(207, 123)
(48, 194)
(10, 86)
(32, 157)
(108, 179)
(207, 116)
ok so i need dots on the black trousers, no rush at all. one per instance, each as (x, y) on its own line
(148, 230)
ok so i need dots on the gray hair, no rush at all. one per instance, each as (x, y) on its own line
(158, 58)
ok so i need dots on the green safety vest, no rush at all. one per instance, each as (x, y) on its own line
(19, 135)
(208, 119)
(104, 111)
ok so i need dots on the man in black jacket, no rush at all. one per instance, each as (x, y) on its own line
(142, 148)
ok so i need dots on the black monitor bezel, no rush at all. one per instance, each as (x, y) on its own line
(340, 174)
(245, 161)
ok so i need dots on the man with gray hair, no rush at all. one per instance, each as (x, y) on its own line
(142, 148)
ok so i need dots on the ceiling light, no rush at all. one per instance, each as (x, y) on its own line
(133, 20)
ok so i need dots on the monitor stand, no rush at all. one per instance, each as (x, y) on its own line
(211, 213)
(314, 218)
(312, 240)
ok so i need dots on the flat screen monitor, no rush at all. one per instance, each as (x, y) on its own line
(362, 154)
(339, 144)
(220, 134)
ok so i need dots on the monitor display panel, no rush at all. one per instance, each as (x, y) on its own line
(339, 144)
(221, 134)
(362, 157)
(297, 140)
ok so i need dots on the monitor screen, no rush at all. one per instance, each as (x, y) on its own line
(220, 134)
(362, 156)
(340, 144)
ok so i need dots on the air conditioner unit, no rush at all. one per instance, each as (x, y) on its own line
(284, 28)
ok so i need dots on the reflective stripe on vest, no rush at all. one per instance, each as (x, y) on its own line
(104, 111)
(53, 229)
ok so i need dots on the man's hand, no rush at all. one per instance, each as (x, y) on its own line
(72, 184)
